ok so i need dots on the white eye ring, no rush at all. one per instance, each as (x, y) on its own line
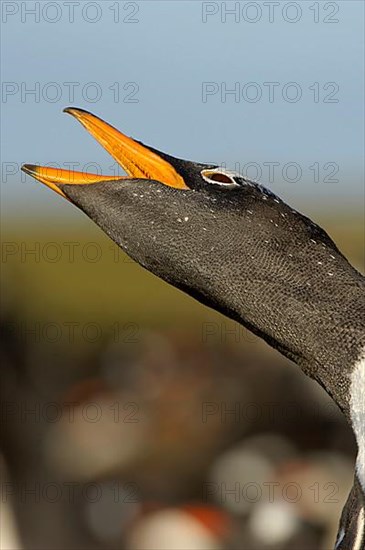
(223, 178)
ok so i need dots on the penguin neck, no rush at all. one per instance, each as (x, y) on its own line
(323, 331)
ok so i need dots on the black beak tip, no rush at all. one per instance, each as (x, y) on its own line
(29, 169)
(74, 110)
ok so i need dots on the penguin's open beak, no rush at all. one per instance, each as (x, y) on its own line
(136, 159)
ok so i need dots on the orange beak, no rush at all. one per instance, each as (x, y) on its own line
(137, 160)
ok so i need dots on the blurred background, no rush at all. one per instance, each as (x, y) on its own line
(132, 416)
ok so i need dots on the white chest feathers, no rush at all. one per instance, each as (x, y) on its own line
(357, 411)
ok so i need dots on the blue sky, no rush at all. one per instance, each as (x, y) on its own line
(160, 71)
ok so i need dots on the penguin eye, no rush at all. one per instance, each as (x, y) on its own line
(219, 177)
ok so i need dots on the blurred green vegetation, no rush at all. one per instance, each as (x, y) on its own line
(75, 272)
